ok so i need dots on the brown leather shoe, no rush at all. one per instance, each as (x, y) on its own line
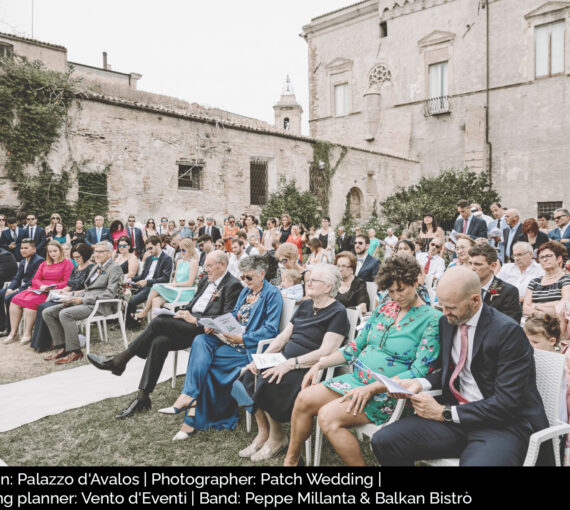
(70, 358)
(56, 355)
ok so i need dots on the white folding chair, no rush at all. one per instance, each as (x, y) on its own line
(101, 321)
(372, 290)
(549, 381)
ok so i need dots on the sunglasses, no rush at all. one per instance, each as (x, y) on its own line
(435, 244)
(558, 217)
(123, 245)
(247, 278)
(55, 218)
(31, 219)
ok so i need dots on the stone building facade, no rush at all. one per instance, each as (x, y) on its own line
(166, 157)
(451, 83)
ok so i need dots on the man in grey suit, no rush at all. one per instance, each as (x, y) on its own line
(102, 283)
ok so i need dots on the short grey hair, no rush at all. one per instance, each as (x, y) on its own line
(562, 210)
(255, 263)
(331, 276)
(221, 257)
(514, 212)
(106, 245)
(523, 244)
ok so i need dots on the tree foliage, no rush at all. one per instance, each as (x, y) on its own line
(439, 196)
(300, 205)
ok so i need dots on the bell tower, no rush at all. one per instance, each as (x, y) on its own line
(287, 110)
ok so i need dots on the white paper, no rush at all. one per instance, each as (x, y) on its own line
(267, 360)
(453, 236)
(226, 324)
(163, 311)
(391, 385)
(60, 298)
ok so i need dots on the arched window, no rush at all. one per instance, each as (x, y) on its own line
(286, 123)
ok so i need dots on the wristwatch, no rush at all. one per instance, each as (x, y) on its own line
(447, 416)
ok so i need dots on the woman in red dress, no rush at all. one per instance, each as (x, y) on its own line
(297, 239)
(52, 274)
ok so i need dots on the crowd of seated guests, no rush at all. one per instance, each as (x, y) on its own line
(516, 263)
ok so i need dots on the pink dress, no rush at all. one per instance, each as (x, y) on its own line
(57, 274)
(117, 235)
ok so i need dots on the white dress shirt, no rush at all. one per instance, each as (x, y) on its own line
(206, 296)
(436, 266)
(512, 274)
(359, 263)
(391, 243)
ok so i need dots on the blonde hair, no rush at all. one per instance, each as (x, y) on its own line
(294, 275)
(188, 245)
(49, 260)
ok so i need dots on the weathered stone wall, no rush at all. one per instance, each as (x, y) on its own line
(53, 57)
(529, 119)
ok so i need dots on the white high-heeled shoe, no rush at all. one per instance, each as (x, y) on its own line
(180, 436)
(10, 339)
(26, 339)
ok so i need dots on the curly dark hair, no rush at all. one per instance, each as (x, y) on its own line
(398, 268)
(126, 240)
(84, 250)
(544, 324)
(116, 225)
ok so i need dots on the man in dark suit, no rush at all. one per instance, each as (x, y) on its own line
(98, 233)
(562, 232)
(366, 266)
(344, 242)
(487, 366)
(38, 234)
(157, 269)
(205, 245)
(10, 238)
(8, 266)
(513, 233)
(210, 229)
(468, 223)
(216, 295)
(135, 236)
(26, 270)
(496, 293)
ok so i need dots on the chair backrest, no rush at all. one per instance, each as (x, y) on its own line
(353, 316)
(372, 290)
(549, 381)
(286, 313)
(428, 281)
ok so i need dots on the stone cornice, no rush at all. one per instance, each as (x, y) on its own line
(27, 40)
(341, 16)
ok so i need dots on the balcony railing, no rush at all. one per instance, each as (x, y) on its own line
(437, 105)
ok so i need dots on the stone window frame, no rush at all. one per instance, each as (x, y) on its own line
(186, 165)
(548, 207)
(340, 73)
(548, 13)
(6, 50)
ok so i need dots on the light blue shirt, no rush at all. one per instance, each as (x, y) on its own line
(510, 238)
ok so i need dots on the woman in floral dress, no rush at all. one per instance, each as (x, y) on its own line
(400, 338)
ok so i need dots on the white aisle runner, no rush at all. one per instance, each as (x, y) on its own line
(30, 400)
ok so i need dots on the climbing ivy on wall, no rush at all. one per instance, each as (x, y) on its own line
(34, 103)
(93, 198)
(321, 173)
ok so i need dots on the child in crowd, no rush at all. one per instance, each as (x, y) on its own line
(543, 332)
(291, 287)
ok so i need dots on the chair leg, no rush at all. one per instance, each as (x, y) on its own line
(100, 330)
(248, 421)
(105, 333)
(318, 445)
(174, 367)
(87, 336)
(123, 331)
(359, 434)
(308, 451)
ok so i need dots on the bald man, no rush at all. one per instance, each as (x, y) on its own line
(489, 405)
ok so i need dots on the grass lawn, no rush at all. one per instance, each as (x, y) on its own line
(91, 436)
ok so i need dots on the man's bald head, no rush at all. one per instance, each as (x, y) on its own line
(459, 293)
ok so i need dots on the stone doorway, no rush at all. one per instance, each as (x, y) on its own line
(355, 203)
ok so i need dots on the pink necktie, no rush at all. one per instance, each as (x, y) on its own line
(465, 226)
(460, 364)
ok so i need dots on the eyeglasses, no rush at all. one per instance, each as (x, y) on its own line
(558, 217)
(2, 219)
(200, 219)
(518, 255)
(123, 245)
(342, 266)
(246, 277)
(435, 244)
(31, 218)
(359, 242)
(163, 221)
(55, 218)
(76, 257)
(131, 221)
(151, 222)
(181, 221)
(100, 251)
(547, 256)
(312, 280)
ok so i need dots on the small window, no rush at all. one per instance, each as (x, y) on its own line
(258, 182)
(341, 99)
(286, 123)
(438, 101)
(548, 207)
(549, 49)
(189, 176)
(384, 29)
(6, 50)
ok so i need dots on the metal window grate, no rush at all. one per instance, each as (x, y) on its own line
(6, 50)
(189, 176)
(547, 207)
(258, 182)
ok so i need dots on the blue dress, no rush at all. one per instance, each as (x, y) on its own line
(182, 275)
(213, 365)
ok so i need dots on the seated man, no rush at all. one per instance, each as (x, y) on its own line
(431, 261)
(495, 292)
(490, 404)
(102, 283)
(216, 295)
(206, 245)
(366, 266)
(520, 272)
(8, 266)
(157, 269)
(10, 238)
(26, 270)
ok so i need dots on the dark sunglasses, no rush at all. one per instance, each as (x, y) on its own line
(247, 278)
(436, 245)
(123, 245)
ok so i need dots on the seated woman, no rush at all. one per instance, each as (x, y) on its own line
(60, 234)
(80, 253)
(51, 274)
(117, 230)
(532, 235)
(318, 254)
(549, 293)
(401, 338)
(317, 329)
(125, 257)
(216, 360)
(462, 246)
(352, 292)
(184, 278)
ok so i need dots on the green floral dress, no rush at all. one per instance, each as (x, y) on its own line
(408, 349)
